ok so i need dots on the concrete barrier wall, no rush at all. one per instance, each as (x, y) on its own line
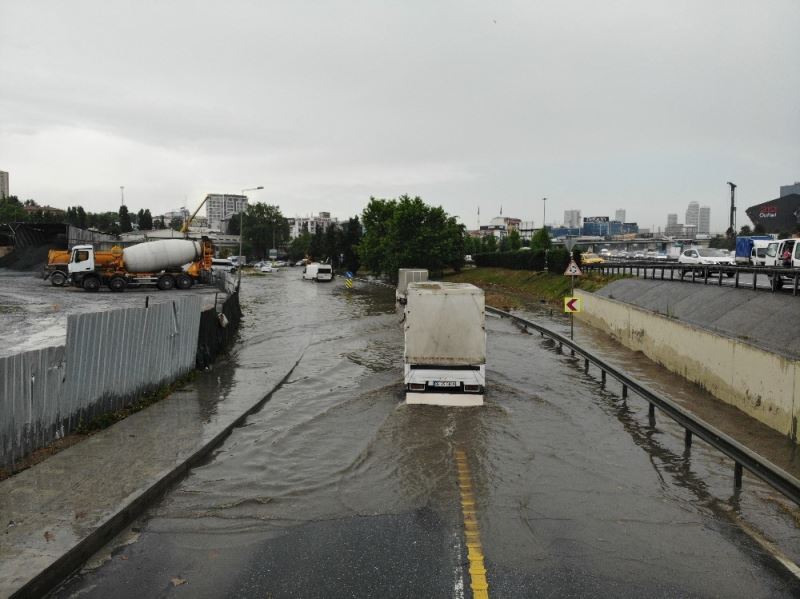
(109, 359)
(762, 384)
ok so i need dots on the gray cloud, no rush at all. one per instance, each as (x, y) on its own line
(641, 105)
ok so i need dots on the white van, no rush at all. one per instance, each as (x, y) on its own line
(758, 254)
(318, 272)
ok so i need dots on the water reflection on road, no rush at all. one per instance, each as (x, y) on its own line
(336, 488)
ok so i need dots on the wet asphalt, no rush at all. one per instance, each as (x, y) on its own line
(337, 489)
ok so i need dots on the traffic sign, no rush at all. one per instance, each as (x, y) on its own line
(348, 274)
(572, 305)
(573, 270)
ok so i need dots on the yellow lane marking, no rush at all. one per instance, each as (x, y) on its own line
(477, 569)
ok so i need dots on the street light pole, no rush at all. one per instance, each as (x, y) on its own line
(544, 212)
(733, 207)
(241, 235)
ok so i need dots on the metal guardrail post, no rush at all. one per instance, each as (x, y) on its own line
(737, 476)
(687, 438)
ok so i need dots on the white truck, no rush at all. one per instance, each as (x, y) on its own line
(406, 276)
(774, 258)
(445, 344)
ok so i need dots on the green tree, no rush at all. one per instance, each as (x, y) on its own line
(298, 248)
(330, 247)
(489, 243)
(264, 228)
(514, 240)
(406, 233)
(541, 240)
(745, 230)
(158, 223)
(316, 248)
(505, 244)
(176, 223)
(759, 229)
(11, 210)
(145, 220)
(124, 219)
(349, 239)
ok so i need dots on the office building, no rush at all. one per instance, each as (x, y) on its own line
(220, 207)
(619, 215)
(786, 190)
(572, 219)
(704, 225)
(672, 220)
(3, 185)
(693, 214)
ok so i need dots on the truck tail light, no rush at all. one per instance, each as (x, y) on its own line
(472, 388)
(416, 387)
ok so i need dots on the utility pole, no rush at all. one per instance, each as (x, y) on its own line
(733, 207)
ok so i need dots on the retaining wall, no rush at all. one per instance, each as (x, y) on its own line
(109, 359)
(763, 384)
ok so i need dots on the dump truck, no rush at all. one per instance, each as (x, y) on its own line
(445, 344)
(166, 264)
(406, 276)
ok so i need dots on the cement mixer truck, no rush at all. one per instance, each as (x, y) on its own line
(167, 264)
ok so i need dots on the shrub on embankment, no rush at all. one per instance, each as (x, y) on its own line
(508, 288)
(553, 261)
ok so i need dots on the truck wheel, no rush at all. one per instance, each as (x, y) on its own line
(58, 279)
(91, 284)
(117, 284)
(166, 282)
(183, 282)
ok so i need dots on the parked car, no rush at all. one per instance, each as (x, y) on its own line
(590, 258)
(222, 265)
(266, 267)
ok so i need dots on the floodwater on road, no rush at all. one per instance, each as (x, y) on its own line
(33, 313)
(336, 488)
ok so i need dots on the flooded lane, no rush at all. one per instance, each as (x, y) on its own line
(336, 488)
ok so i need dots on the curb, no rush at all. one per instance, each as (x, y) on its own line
(49, 578)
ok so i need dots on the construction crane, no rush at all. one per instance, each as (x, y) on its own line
(188, 221)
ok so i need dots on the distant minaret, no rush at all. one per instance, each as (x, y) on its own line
(501, 210)
(479, 219)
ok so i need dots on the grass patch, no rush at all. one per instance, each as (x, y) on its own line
(508, 289)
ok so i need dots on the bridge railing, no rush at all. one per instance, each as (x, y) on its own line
(742, 457)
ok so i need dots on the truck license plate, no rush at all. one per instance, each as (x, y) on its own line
(445, 383)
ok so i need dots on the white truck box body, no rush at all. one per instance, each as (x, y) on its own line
(445, 344)
(406, 276)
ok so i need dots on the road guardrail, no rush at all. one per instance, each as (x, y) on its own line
(743, 458)
(701, 272)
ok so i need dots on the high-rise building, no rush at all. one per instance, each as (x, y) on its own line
(572, 218)
(786, 189)
(620, 215)
(693, 214)
(3, 184)
(672, 220)
(220, 207)
(704, 225)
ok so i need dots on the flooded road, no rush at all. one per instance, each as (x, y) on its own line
(337, 489)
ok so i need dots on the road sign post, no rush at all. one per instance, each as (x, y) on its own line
(572, 304)
(348, 281)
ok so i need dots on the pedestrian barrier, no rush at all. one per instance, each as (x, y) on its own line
(743, 458)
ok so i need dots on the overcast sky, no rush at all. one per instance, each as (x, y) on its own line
(637, 104)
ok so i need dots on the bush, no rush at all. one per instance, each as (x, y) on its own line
(557, 259)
